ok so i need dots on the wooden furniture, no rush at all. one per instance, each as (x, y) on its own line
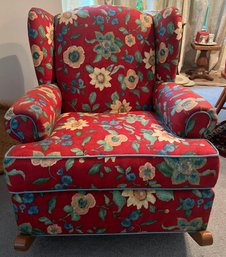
(202, 63)
(203, 238)
(221, 101)
(23, 242)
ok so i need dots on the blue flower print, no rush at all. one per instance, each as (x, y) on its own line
(131, 176)
(128, 58)
(42, 102)
(77, 85)
(60, 37)
(60, 171)
(64, 30)
(140, 37)
(66, 137)
(99, 20)
(33, 210)
(14, 124)
(111, 12)
(58, 187)
(66, 180)
(207, 194)
(169, 147)
(115, 21)
(208, 205)
(134, 215)
(188, 204)
(162, 31)
(32, 33)
(68, 226)
(28, 198)
(22, 207)
(126, 223)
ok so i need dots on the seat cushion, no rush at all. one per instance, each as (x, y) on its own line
(105, 151)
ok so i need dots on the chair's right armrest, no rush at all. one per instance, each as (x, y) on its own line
(186, 113)
(32, 117)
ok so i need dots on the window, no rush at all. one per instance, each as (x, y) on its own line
(71, 4)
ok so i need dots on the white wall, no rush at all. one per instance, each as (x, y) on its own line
(17, 74)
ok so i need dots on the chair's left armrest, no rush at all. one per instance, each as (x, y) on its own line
(32, 117)
(186, 113)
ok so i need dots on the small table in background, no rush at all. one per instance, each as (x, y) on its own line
(202, 62)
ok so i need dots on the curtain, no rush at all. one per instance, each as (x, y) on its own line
(71, 4)
(193, 13)
(217, 26)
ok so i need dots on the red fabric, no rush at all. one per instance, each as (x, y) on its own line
(105, 68)
(168, 33)
(41, 31)
(103, 212)
(32, 117)
(112, 42)
(186, 113)
(81, 153)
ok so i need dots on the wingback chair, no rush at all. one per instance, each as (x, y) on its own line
(109, 143)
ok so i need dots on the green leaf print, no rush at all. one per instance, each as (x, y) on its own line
(69, 163)
(119, 200)
(95, 168)
(136, 146)
(42, 31)
(83, 13)
(102, 213)
(165, 195)
(86, 140)
(92, 97)
(52, 204)
(127, 18)
(40, 181)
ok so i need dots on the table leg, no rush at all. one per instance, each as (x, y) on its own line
(202, 66)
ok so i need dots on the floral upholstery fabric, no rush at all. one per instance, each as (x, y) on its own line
(168, 32)
(106, 148)
(183, 111)
(32, 117)
(105, 57)
(111, 151)
(116, 211)
(41, 32)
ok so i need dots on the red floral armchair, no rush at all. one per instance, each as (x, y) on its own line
(109, 143)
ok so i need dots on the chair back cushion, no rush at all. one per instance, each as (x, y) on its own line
(105, 59)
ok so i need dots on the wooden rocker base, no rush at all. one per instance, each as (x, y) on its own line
(202, 238)
(23, 242)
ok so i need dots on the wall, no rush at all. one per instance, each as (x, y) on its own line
(17, 74)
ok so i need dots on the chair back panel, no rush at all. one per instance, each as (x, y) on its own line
(105, 59)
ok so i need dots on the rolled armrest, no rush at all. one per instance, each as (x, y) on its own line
(186, 113)
(32, 117)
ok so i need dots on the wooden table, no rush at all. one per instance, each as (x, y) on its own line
(202, 62)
